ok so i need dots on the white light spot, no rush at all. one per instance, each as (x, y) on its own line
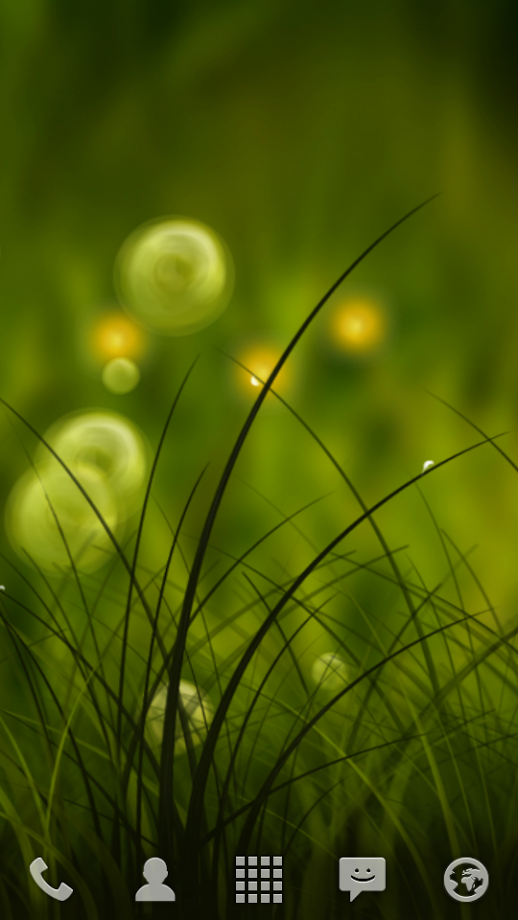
(426, 465)
(254, 381)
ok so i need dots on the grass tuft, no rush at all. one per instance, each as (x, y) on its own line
(406, 748)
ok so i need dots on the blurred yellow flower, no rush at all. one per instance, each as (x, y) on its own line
(116, 336)
(260, 361)
(359, 325)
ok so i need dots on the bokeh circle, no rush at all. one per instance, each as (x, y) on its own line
(359, 326)
(199, 711)
(120, 375)
(48, 518)
(330, 672)
(108, 441)
(260, 358)
(174, 275)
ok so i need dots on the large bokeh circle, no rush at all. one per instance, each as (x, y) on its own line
(108, 441)
(49, 521)
(174, 275)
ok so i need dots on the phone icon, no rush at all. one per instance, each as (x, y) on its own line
(36, 868)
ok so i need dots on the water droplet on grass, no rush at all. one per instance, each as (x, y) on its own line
(260, 359)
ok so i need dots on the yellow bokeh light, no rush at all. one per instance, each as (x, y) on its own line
(116, 336)
(359, 325)
(260, 361)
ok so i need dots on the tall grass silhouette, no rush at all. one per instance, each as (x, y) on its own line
(151, 723)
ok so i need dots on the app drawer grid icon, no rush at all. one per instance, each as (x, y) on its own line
(259, 879)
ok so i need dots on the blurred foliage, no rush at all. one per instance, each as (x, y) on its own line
(299, 132)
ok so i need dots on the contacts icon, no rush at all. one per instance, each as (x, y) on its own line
(155, 872)
(359, 874)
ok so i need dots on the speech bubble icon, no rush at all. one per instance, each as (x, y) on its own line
(362, 873)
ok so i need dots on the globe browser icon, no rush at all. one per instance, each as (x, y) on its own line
(466, 879)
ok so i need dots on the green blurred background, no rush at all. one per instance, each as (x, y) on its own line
(299, 132)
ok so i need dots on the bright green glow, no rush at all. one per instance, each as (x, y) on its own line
(108, 441)
(42, 495)
(330, 672)
(48, 517)
(174, 276)
(120, 375)
(199, 711)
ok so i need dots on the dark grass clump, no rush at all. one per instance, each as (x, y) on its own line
(221, 706)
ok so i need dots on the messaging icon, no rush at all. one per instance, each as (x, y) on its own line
(362, 873)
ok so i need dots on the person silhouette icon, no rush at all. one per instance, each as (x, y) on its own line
(155, 871)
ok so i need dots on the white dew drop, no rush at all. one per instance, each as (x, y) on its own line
(426, 465)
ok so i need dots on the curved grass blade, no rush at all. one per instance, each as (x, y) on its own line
(166, 796)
